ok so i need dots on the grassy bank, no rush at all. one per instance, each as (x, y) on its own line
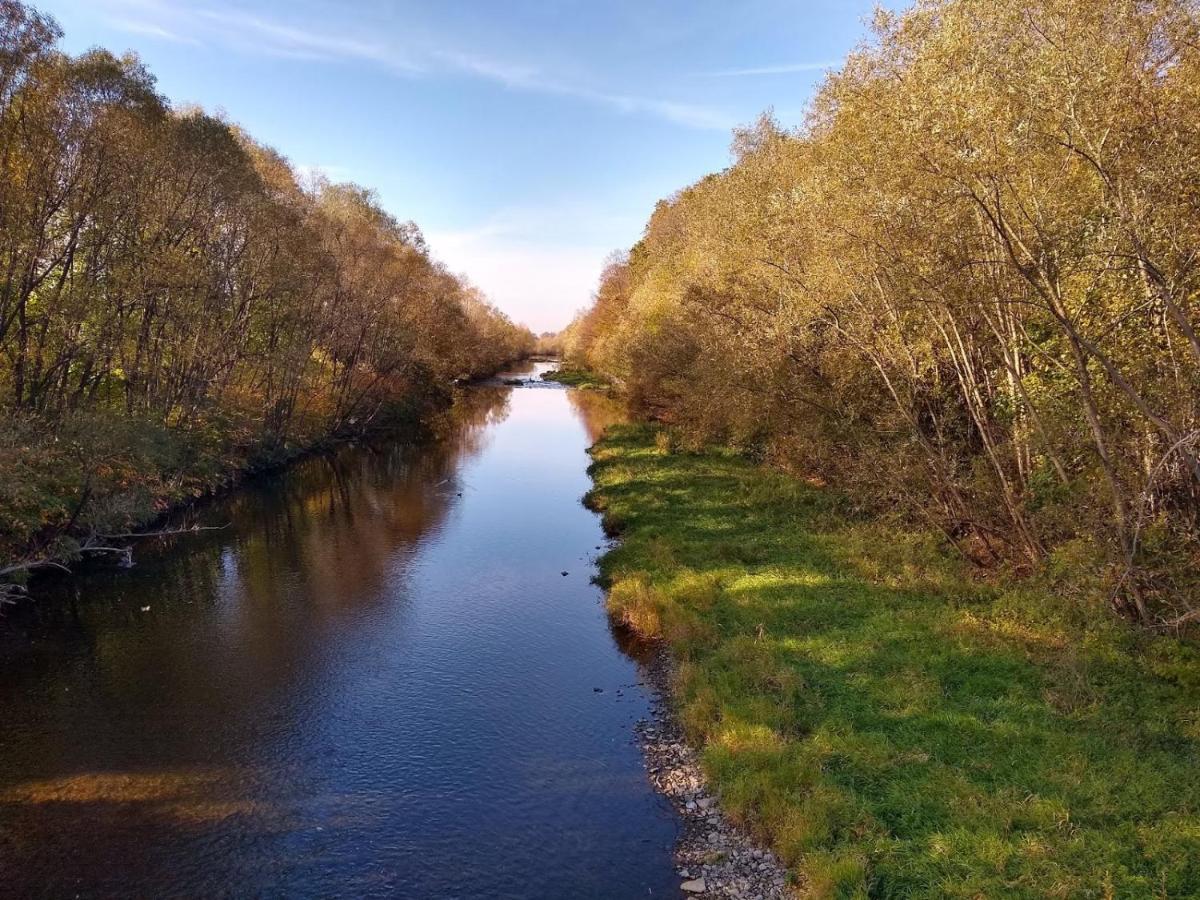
(579, 378)
(69, 489)
(890, 726)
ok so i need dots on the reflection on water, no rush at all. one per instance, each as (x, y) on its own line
(374, 681)
(596, 411)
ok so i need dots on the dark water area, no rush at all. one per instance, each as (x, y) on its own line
(375, 682)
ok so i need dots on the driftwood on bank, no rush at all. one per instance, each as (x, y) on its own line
(12, 576)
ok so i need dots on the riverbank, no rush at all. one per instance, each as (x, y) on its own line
(583, 379)
(886, 723)
(86, 488)
(714, 857)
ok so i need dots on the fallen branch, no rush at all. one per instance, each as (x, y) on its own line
(11, 591)
(1177, 623)
(32, 565)
(166, 532)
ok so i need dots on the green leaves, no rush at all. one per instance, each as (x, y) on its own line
(967, 292)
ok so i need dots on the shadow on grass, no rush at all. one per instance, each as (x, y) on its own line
(892, 727)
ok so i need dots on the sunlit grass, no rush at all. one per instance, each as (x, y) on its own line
(893, 727)
(578, 378)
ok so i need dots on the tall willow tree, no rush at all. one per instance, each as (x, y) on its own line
(968, 287)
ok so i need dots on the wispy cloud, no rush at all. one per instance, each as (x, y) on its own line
(686, 114)
(782, 69)
(251, 33)
(148, 30)
(270, 37)
(509, 74)
(533, 80)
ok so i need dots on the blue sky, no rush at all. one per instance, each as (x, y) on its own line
(527, 138)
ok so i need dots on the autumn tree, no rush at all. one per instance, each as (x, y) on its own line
(168, 283)
(966, 288)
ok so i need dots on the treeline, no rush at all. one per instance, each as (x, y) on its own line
(549, 343)
(173, 300)
(968, 288)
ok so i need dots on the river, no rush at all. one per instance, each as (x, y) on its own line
(376, 680)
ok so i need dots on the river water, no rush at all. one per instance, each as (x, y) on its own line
(375, 681)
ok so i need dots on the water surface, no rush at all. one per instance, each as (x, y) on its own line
(376, 681)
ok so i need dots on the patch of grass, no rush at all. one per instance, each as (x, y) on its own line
(892, 727)
(579, 378)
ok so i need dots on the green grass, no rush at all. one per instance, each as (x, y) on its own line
(578, 378)
(891, 727)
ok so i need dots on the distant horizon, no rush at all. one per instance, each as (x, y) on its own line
(527, 144)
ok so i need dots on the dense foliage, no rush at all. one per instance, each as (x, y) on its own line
(967, 288)
(173, 301)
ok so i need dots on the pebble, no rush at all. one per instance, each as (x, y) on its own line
(716, 858)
